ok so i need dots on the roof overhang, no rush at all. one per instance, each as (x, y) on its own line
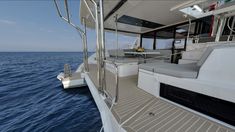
(134, 16)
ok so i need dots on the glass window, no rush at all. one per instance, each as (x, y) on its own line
(147, 40)
(147, 43)
(124, 41)
(164, 38)
(164, 43)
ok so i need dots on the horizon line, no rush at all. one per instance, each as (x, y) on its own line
(43, 51)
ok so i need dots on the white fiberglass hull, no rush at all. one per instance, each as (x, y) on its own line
(72, 82)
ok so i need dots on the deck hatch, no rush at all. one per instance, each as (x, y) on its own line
(214, 107)
(138, 22)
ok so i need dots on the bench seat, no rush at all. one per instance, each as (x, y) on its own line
(182, 70)
(176, 70)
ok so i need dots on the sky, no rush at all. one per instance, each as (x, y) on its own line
(33, 25)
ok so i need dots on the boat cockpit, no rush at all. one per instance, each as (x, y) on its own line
(177, 76)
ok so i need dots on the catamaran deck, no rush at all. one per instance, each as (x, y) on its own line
(140, 111)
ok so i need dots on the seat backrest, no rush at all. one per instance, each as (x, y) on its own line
(209, 50)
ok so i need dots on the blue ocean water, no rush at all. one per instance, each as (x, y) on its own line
(32, 99)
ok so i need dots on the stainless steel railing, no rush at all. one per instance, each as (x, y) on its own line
(116, 79)
(97, 16)
(82, 33)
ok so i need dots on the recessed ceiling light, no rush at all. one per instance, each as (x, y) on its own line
(197, 8)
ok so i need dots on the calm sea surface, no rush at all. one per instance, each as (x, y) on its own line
(32, 99)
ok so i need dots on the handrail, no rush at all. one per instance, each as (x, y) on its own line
(98, 47)
(81, 32)
(100, 44)
(68, 18)
(116, 79)
(67, 10)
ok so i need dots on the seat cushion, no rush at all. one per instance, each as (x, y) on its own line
(182, 70)
(150, 66)
(178, 70)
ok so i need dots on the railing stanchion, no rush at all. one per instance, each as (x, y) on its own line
(85, 51)
(116, 80)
